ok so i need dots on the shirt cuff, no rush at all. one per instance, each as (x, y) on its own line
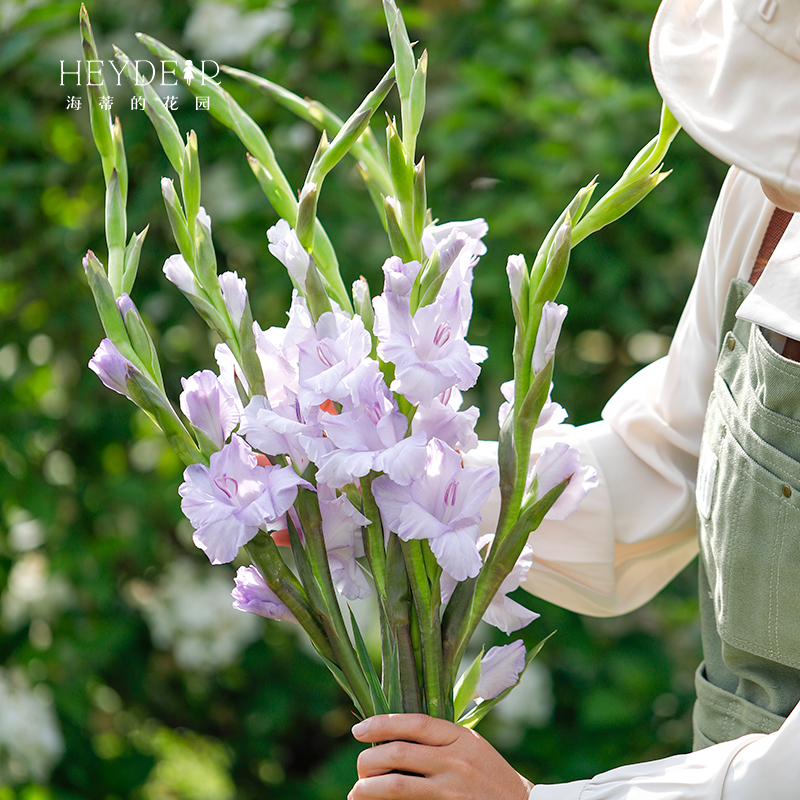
(557, 791)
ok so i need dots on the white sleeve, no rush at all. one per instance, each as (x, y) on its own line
(749, 768)
(636, 530)
(694, 776)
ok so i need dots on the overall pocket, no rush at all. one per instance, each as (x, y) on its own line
(750, 537)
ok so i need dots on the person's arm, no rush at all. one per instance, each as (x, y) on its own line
(636, 530)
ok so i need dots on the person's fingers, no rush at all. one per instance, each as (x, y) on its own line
(390, 787)
(409, 727)
(418, 759)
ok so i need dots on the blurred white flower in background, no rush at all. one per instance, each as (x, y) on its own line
(532, 707)
(30, 738)
(224, 32)
(190, 612)
(32, 593)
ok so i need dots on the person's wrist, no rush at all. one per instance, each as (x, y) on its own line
(527, 787)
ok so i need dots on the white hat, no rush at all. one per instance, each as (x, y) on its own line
(729, 70)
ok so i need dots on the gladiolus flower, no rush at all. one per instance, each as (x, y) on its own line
(442, 505)
(286, 247)
(229, 500)
(111, 367)
(544, 349)
(209, 406)
(500, 669)
(253, 595)
(556, 464)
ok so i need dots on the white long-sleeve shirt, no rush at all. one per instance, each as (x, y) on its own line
(636, 530)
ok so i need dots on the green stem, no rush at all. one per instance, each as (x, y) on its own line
(428, 605)
(264, 554)
(308, 511)
(398, 618)
(373, 535)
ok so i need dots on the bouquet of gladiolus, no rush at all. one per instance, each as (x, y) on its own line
(341, 435)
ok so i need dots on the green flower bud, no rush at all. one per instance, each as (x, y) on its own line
(316, 294)
(177, 221)
(307, 215)
(396, 238)
(190, 177)
(115, 232)
(132, 253)
(152, 400)
(165, 126)
(107, 308)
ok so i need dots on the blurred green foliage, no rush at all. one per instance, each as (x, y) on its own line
(528, 99)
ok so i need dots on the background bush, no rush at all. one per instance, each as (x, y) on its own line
(110, 618)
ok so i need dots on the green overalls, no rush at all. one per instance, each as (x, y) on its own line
(748, 496)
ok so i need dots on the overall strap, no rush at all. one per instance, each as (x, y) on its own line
(775, 230)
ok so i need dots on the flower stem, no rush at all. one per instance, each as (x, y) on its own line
(397, 610)
(308, 510)
(428, 605)
(373, 535)
(264, 554)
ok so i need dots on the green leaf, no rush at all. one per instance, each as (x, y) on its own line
(465, 688)
(393, 690)
(304, 569)
(379, 701)
(340, 679)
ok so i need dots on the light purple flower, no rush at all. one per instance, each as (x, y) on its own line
(556, 464)
(230, 373)
(372, 438)
(286, 247)
(179, 272)
(209, 406)
(500, 669)
(428, 350)
(551, 414)
(234, 293)
(442, 420)
(442, 505)
(278, 350)
(334, 366)
(283, 429)
(229, 500)
(253, 595)
(544, 349)
(112, 367)
(503, 612)
(125, 304)
(399, 276)
(341, 528)
(517, 271)
(474, 229)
